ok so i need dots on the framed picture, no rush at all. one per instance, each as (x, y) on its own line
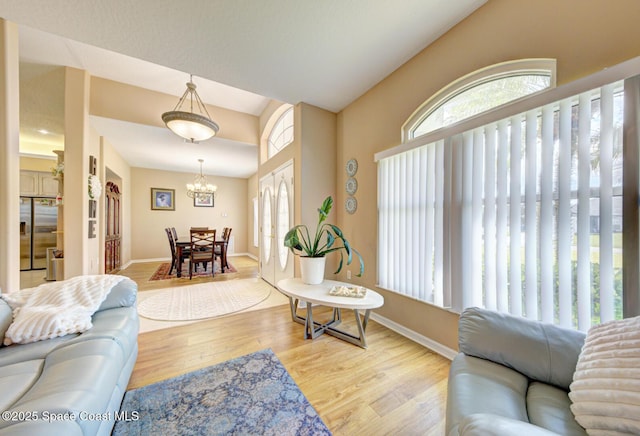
(205, 200)
(163, 199)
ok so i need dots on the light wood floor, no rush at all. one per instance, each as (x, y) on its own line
(394, 387)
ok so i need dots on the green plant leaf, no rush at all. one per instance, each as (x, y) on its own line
(323, 212)
(325, 240)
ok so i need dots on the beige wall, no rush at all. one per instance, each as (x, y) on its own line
(313, 152)
(37, 164)
(148, 239)
(119, 101)
(583, 35)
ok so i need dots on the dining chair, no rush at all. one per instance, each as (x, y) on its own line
(202, 250)
(172, 246)
(221, 249)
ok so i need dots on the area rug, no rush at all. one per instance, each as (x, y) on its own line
(204, 300)
(249, 395)
(162, 273)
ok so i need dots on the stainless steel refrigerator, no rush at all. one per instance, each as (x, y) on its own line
(38, 222)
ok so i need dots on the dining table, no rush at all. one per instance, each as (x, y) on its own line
(185, 242)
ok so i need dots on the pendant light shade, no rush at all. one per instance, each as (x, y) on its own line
(192, 126)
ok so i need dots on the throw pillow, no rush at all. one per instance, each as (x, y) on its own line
(56, 309)
(606, 384)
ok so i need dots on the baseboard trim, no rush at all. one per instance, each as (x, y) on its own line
(157, 259)
(434, 346)
(168, 259)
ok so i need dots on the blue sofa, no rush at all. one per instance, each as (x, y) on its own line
(512, 377)
(71, 385)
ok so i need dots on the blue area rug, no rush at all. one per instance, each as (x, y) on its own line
(250, 395)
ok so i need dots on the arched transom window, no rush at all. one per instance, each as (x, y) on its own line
(479, 92)
(282, 133)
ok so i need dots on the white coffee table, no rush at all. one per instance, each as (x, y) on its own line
(297, 291)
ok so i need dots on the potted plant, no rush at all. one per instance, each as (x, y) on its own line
(328, 238)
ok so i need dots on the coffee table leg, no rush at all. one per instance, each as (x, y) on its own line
(309, 328)
(313, 329)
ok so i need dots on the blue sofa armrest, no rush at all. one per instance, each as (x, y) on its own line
(124, 294)
(541, 351)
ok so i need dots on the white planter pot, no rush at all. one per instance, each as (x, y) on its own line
(312, 269)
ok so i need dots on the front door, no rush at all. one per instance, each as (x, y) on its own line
(276, 214)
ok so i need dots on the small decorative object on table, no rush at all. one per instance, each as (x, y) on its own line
(348, 291)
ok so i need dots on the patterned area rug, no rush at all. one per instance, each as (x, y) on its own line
(250, 395)
(204, 300)
(162, 273)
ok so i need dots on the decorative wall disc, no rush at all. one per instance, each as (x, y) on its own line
(351, 186)
(352, 167)
(351, 204)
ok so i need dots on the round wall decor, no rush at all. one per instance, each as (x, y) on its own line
(352, 167)
(351, 204)
(351, 186)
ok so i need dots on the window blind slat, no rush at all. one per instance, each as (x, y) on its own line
(383, 230)
(515, 220)
(447, 198)
(531, 215)
(547, 256)
(489, 218)
(607, 310)
(565, 312)
(441, 296)
(430, 156)
(502, 213)
(477, 258)
(583, 234)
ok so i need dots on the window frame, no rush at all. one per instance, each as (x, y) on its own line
(541, 66)
(272, 150)
(628, 71)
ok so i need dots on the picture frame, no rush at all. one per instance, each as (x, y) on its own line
(163, 199)
(205, 200)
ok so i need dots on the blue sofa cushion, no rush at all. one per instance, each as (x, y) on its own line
(543, 352)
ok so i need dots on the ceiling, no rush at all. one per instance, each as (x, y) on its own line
(242, 53)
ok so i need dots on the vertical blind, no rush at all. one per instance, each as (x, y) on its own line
(522, 215)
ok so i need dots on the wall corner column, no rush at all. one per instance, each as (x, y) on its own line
(76, 162)
(9, 158)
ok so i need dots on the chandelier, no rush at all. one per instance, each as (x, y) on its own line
(200, 188)
(191, 126)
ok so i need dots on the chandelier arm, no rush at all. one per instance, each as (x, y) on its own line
(181, 101)
(201, 105)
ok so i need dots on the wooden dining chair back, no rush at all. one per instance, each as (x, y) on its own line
(172, 246)
(175, 234)
(221, 248)
(202, 250)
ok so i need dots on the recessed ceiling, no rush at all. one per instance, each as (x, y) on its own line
(242, 52)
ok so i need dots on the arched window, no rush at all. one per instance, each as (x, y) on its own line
(282, 133)
(516, 208)
(480, 91)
